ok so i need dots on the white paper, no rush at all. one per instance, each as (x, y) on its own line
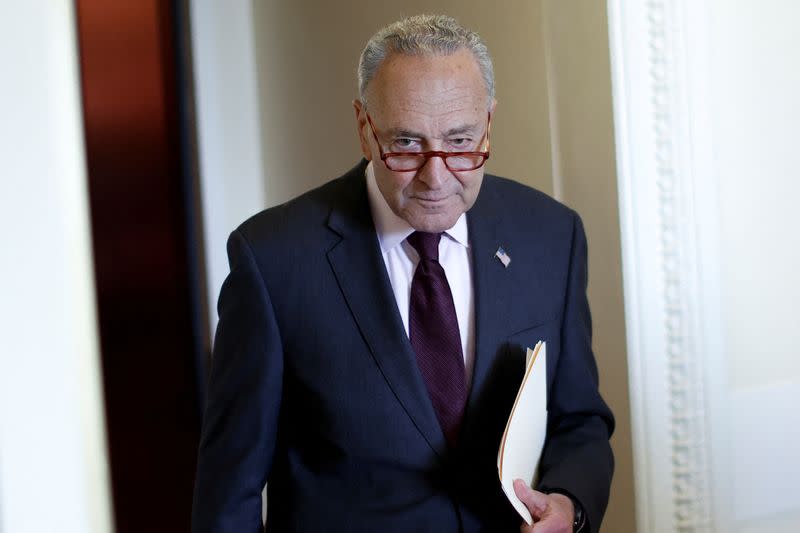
(523, 439)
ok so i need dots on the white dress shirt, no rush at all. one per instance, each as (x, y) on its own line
(401, 260)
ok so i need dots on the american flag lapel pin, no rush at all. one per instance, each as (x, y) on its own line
(503, 257)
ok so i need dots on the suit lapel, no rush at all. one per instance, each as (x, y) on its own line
(360, 271)
(490, 283)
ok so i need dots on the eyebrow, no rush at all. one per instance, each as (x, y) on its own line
(402, 132)
(470, 128)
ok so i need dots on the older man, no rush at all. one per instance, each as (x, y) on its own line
(372, 331)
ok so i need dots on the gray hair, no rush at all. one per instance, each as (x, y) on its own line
(422, 35)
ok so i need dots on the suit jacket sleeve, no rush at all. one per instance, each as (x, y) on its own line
(238, 438)
(577, 457)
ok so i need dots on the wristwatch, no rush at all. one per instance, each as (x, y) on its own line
(580, 519)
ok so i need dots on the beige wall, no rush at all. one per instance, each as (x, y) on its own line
(307, 53)
(576, 35)
(551, 63)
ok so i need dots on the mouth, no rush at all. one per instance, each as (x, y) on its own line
(431, 202)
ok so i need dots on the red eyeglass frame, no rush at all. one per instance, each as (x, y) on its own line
(433, 153)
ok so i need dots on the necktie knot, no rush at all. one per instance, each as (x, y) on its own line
(426, 245)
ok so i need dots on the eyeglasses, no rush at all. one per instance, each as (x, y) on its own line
(454, 161)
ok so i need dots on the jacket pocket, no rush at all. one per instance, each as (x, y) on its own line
(548, 332)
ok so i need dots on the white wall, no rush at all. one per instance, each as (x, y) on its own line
(755, 76)
(228, 128)
(53, 464)
(755, 82)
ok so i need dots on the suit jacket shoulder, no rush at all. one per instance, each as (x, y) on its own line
(514, 201)
(289, 235)
(306, 215)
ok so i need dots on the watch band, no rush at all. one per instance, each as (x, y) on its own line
(580, 519)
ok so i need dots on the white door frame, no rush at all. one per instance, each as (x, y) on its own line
(669, 240)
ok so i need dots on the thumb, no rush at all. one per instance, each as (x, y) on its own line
(535, 501)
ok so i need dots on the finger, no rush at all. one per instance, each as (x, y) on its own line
(535, 501)
(546, 525)
(553, 520)
(552, 523)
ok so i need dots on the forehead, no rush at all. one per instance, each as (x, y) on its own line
(428, 88)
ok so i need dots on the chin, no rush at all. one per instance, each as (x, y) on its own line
(433, 223)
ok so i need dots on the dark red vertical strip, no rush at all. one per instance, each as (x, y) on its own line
(145, 270)
(192, 194)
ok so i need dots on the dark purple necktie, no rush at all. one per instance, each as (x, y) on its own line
(433, 330)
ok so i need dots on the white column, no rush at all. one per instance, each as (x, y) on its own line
(228, 128)
(706, 113)
(53, 463)
(663, 161)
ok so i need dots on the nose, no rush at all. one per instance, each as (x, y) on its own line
(434, 173)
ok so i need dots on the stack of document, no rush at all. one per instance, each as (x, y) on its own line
(523, 439)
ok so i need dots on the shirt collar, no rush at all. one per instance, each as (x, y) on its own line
(393, 230)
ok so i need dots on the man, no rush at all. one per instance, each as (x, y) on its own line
(372, 332)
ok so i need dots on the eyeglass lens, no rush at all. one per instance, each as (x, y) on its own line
(416, 161)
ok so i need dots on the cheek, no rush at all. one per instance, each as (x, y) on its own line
(471, 184)
(394, 186)
(400, 183)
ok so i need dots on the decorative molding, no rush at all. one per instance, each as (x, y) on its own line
(655, 85)
(691, 495)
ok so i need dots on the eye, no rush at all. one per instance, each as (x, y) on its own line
(461, 142)
(404, 143)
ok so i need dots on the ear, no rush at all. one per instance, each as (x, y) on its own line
(492, 107)
(361, 123)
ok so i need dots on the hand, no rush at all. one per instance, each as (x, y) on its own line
(552, 513)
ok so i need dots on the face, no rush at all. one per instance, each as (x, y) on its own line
(419, 104)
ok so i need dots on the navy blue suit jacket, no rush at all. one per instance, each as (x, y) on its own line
(314, 386)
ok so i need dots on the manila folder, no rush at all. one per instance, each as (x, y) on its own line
(523, 439)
